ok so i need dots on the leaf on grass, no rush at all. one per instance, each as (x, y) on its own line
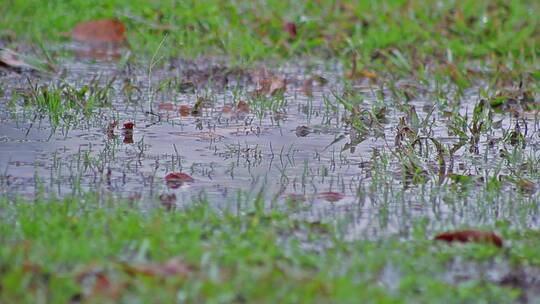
(99, 31)
(331, 196)
(102, 282)
(466, 236)
(290, 28)
(11, 59)
(174, 267)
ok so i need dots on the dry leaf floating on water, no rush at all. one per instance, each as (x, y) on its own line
(466, 236)
(128, 125)
(175, 180)
(330, 196)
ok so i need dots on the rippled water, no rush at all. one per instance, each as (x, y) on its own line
(296, 149)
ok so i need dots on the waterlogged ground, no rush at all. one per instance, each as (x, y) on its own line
(223, 146)
(402, 170)
(382, 153)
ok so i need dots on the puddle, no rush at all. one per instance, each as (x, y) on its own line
(212, 123)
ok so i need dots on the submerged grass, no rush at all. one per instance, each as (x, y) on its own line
(88, 249)
(63, 103)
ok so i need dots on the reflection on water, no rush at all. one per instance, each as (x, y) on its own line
(298, 148)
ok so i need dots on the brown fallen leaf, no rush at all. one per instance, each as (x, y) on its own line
(475, 236)
(242, 107)
(11, 59)
(185, 110)
(128, 125)
(173, 267)
(331, 196)
(175, 180)
(273, 85)
(179, 176)
(99, 31)
(102, 283)
(290, 28)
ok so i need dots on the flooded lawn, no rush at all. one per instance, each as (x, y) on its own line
(269, 151)
(384, 153)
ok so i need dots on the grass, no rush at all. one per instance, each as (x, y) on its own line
(253, 30)
(48, 245)
(62, 102)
